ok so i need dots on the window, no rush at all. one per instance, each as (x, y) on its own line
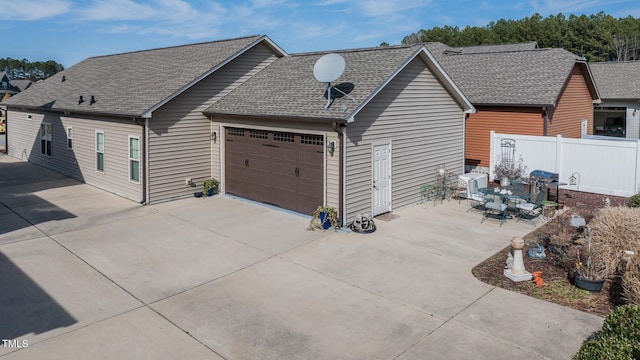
(45, 139)
(100, 151)
(134, 158)
(69, 137)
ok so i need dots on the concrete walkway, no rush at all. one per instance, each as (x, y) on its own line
(87, 274)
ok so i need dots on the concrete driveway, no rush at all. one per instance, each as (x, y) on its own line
(87, 274)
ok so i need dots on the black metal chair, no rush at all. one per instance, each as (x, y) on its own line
(526, 210)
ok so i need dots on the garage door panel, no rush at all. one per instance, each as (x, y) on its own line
(283, 169)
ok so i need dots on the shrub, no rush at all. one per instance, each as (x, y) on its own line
(619, 338)
(623, 322)
(614, 230)
(634, 201)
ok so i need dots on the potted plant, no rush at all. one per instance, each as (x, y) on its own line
(210, 187)
(506, 171)
(589, 273)
(324, 217)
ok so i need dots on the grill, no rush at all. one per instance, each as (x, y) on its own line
(541, 180)
(542, 176)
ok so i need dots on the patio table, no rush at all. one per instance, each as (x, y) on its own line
(506, 194)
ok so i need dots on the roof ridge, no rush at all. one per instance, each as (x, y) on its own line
(173, 47)
(373, 48)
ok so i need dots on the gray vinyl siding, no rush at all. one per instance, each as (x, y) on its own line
(425, 127)
(332, 165)
(180, 135)
(80, 162)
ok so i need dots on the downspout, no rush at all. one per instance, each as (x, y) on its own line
(144, 153)
(545, 121)
(338, 128)
(6, 130)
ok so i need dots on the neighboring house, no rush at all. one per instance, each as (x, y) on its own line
(10, 87)
(619, 86)
(5, 86)
(399, 117)
(132, 123)
(21, 84)
(520, 90)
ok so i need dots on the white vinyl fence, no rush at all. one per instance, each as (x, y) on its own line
(609, 166)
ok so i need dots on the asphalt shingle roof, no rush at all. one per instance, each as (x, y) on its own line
(617, 80)
(495, 48)
(530, 77)
(287, 87)
(129, 83)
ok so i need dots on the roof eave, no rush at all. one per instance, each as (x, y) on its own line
(591, 83)
(279, 117)
(73, 111)
(148, 113)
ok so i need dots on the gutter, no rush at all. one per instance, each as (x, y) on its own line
(144, 154)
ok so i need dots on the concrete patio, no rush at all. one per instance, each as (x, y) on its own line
(87, 274)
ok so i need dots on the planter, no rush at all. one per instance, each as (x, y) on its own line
(589, 285)
(211, 192)
(505, 181)
(197, 194)
(324, 220)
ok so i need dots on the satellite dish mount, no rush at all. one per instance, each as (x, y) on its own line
(327, 69)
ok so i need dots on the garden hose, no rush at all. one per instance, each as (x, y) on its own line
(363, 224)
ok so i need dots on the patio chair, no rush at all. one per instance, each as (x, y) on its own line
(495, 209)
(457, 187)
(526, 210)
(476, 198)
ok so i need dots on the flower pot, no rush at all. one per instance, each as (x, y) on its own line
(210, 192)
(324, 220)
(586, 284)
(505, 181)
(197, 194)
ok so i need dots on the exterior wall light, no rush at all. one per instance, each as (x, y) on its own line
(331, 146)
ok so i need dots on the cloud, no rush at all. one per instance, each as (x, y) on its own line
(377, 8)
(127, 10)
(32, 9)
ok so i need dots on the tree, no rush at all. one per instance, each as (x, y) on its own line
(25, 69)
(597, 37)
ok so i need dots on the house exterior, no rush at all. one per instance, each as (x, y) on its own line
(619, 113)
(396, 117)
(9, 87)
(132, 123)
(245, 112)
(519, 90)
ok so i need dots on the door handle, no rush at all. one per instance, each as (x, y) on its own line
(297, 172)
(246, 163)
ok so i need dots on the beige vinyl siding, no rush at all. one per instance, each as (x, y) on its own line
(80, 162)
(332, 188)
(180, 135)
(425, 127)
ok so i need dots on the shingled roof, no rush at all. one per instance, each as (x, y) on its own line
(133, 83)
(287, 88)
(479, 49)
(530, 77)
(617, 80)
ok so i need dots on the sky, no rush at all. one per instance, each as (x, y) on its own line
(68, 31)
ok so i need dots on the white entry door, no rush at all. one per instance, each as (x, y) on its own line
(381, 179)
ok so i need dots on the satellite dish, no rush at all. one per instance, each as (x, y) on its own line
(328, 68)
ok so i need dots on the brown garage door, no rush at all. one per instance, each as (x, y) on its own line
(278, 168)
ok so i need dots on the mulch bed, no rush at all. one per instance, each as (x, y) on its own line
(556, 274)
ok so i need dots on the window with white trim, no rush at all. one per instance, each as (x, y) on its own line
(100, 151)
(134, 158)
(45, 139)
(69, 137)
